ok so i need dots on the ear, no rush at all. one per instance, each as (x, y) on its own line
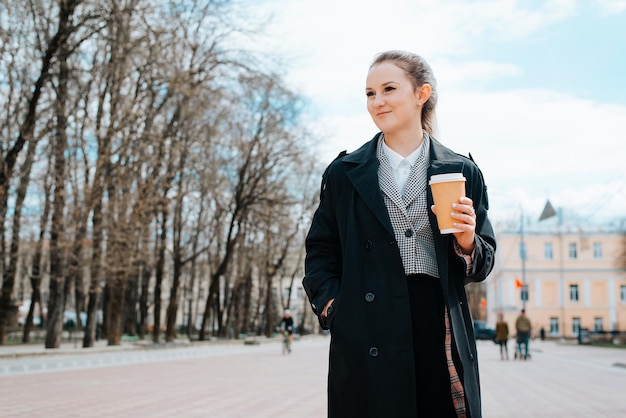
(423, 93)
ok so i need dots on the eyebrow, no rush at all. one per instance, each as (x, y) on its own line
(384, 84)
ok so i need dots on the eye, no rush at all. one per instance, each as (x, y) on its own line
(369, 94)
(389, 88)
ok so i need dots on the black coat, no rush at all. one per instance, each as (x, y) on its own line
(352, 256)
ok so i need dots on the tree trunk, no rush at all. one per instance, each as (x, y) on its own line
(8, 282)
(57, 239)
(247, 302)
(130, 298)
(270, 312)
(205, 315)
(74, 271)
(35, 276)
(94, 325)
(160, 267)
(143, 300)
(106, 308)
(116, 304)
(172, 307)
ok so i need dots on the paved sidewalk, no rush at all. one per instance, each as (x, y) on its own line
(217, 380)
(560, 380)
(257, 381)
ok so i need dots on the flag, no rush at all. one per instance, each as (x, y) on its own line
(548, 211)
(518, 283)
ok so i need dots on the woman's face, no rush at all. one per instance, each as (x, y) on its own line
(392, 101)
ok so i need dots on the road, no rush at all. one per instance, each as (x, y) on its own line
(257, 381)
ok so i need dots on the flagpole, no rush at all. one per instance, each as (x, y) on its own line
(523, 289)
(523, 257)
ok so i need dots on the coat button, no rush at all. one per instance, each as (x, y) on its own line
(368, 245)
(374, 352)
(408, 233)
(369, 297)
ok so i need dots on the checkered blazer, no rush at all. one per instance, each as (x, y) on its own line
(409, 213)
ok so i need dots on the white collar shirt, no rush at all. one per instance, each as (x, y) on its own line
(400, 165)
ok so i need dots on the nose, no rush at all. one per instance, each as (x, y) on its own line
(379, 101)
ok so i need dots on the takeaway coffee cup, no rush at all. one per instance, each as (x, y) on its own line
(447, 189)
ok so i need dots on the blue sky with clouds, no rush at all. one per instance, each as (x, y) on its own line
(585, 54)
(535, 90)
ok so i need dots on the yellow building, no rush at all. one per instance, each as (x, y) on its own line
(570, 275)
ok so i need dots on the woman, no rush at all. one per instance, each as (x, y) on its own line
(379, 274)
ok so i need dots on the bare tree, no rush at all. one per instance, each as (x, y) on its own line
(64, 29)
(167, 154)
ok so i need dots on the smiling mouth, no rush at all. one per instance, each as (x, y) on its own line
(382, 113)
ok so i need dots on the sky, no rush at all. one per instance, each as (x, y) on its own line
(534, 90)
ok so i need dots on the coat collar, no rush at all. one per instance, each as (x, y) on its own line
(443, 159)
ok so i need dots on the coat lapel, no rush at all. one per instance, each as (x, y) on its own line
(388, 185)
(363, 173)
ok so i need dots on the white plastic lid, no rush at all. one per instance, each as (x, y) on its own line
(443, 178)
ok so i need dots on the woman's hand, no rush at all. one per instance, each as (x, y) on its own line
(465, 220)
(325, 310)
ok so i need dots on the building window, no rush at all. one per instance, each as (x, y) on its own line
(575, 325)
(597, 324)
(554, 326)
(597, 250)
(573, 293)
(622, 291)
(547, 251)
(573, 253)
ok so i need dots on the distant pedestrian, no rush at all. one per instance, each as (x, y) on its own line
(286, 325)
(522, 329)
(542, 333)
(502, 337)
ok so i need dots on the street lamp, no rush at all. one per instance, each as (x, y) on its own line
(522, 249)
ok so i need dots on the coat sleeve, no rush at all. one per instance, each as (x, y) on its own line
(323, 248)
(484, 254)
